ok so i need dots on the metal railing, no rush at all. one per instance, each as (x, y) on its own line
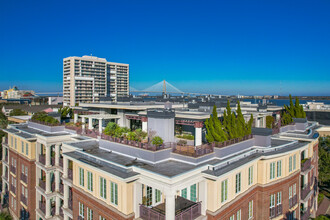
(137, 144)
(193, 151)
(24, 178)
(232, 141)
(305, 190)
(292, 201)
(23, 199)
(12, 169)
(42, 184)
(304, 215)
(42, 206)
(42, 159)
(190, 213)
(306, 165)
(70, 174)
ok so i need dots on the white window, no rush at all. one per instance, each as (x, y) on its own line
(23, 168)
(81, 210)
(294, 189)
(290, 192)
(294, 162)
(114, 193)
(250, 175)
(290, 164)
(272, 201)
(90, 181)
(101, 218)
(158, 195)
(238, 215)
(81, 177)
(238, 183)
(272, 170)
(26, 171)
(224, 190)
(103, 188)
(15, 143)
(89, 214)
(184, 193)
(250, 209)
(26, 193)
(23, 190)
(279, 198)
(27, 149)
(193, 193)
(232, 217)
(279, 168)
(22, 147)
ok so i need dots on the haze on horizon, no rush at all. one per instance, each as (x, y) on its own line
(218, 47)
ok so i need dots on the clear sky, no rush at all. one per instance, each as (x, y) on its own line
(224, 47)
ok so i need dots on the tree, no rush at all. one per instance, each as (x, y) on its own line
(5, 216)
(110, 128)
(214, 128)
(241, 124)
(324, 161)
(296, 110)
(17, 112)
(269, 121)
(3, 120)
(249, 126)
(157, 141)
(66, 112)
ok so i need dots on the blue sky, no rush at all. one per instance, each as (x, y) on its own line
(222, 47)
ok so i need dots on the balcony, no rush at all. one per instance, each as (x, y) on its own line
(61, 213)
(13, 169)
(42, 184)
(6, 158)
(53, 187)
(60, 162)
(275, 211)
(52, 161)
(24, 199)
(42, 159)
(42, 207)
(13, 189)
(304, 215)
(305, 164)
(24, 178)
(184, 209)
(292, 201)
(70, 174)
(52, 211)
(305, 191)
(61, 188)
(6, 175)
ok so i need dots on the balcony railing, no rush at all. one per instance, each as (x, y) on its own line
(70, 174)
(53, 187)
(193, 151)
(61, 188)
(61, 213)
(52, 160)
(305, 165)
(42, 159)
(305, 190)
(23, 199)
(13, 169)
(42, 206)
(292, 201)
(52, 211)
(305, 214)
(190, 213)
(24, 178)
(42, 184)
(60, 162)
(13, 188)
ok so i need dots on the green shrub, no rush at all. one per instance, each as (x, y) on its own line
(140, 135)
(157, 141)
(131, 136)
(43, 117)
(186, 136)
(182, 142)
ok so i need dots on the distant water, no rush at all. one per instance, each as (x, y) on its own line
(281, 102)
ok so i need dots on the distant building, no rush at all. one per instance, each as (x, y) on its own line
(55, 100)
(15, 93)
(86, 79)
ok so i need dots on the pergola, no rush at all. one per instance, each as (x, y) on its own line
(99, 117)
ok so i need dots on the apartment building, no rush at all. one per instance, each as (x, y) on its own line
(265, 176)
(86, 79)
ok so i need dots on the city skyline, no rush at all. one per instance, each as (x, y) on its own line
(219, 48)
